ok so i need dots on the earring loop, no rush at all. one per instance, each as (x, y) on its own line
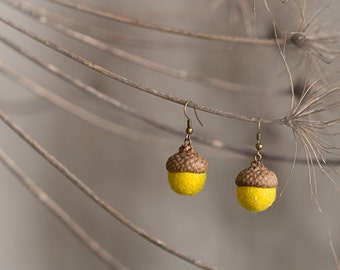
(259, 145)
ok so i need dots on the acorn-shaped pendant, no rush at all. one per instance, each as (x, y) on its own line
(256, 187)
(186, 171)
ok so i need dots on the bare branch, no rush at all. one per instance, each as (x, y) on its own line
(79, 183)
(54, 22)
(335, 256)
(56, 210)
(283, 56)
(107, 125)
(132, 83)
(82, 113)
(165, 29)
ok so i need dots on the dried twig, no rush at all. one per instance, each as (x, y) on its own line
(335, 255)
(57, 23)
(301, 118)
(283, 56)
(112, 127)
(134, 84)
(165, 29)
(81, 113)
(55, 209)
(83, 86)
(97, 199)
(142, 87)
(131, 111)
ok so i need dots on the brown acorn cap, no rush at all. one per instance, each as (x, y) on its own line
(187, 160)
(257, 175)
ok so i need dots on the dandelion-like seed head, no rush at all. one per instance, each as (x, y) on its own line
(313, 119)
(318, 42)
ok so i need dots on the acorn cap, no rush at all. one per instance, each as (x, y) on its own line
(187, 160)
(257, 175)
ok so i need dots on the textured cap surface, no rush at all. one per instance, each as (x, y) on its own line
(187, 160)
(257, 175)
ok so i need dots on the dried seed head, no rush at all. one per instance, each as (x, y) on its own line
(257, 175)
(187, 160)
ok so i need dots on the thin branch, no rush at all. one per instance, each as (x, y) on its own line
(335, 256)
(81, 113)
(165, 29)
(282, 52)
(81, 85)
(292, 167)
(134, 84)
(53, 21)
(97, 199)
(119, 105)
(286, 121)
(56, 210)
(287, 180)
(107, 125)
(311, 170)
(283, 56)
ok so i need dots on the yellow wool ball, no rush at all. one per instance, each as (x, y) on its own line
(186, 183)
(255, 199)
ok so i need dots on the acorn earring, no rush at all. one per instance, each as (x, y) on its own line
(187, 168)
(256, 185)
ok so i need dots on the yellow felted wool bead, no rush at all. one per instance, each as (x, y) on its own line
(186, 171)
(186, 183)
(256, 187)
(255, 199)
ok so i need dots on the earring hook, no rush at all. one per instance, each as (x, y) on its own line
(195, 111)
(189, 130)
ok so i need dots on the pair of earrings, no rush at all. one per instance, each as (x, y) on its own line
(256, 184)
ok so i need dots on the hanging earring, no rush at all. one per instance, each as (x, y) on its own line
(256, 185)
(187, 168)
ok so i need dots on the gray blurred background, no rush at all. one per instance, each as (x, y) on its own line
(130, 175)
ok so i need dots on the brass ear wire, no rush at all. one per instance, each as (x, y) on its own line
(195, 111)
(189, 130)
